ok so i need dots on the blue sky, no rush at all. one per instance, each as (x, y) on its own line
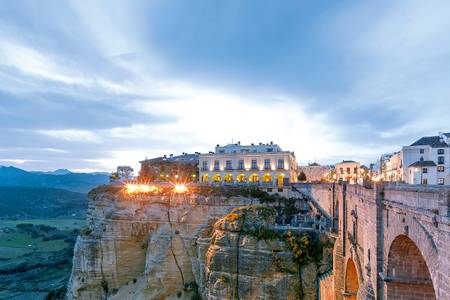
(89, 85)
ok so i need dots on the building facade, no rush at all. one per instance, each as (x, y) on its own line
(427, 161)
(236, 164)
(170, 168)
(314, 172)
(349, 171)
(392, 166)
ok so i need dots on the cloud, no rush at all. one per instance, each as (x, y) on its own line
(72, 135)
(112, 82)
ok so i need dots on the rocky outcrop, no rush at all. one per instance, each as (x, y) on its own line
(185, 247)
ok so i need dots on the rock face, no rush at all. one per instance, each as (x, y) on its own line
(184, 247)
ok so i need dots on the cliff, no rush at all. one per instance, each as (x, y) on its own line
(196, 246)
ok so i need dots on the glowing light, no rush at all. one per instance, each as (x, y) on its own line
(180, 188)
(140, 188)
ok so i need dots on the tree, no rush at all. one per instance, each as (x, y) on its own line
(302, 177)
(125, 172)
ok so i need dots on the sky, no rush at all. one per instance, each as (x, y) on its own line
(89, 85)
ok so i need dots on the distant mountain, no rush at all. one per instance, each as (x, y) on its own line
(56, 172)
(32, 202)
(61, 179)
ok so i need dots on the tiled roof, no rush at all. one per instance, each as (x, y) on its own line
(423, 163)
(433, 141)
(185, 158)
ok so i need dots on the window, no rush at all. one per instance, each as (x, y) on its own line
(441, 181)
(228, 165)
(440, 169)
(254, 164)
(348, 170)
(267, 164)
(280, 164)
(241, 164)
(422, 151)
(204, 165)
(216, 165)
(441, 160)
(341, 170)
(221, 151)
(355, 170)
(269, 149)
(425, 181)
(440, 151)
(424, 170)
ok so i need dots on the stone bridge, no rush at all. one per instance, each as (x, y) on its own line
(392, 241)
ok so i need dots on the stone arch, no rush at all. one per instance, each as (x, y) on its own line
(351, 280)
(416, 231)
(407, 272)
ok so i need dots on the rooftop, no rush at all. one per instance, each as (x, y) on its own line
(433, 141)
(423, 163)
(184, 158)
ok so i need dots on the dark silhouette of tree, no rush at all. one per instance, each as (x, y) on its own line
(302, 177)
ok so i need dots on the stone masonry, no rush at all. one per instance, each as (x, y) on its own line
(392, 241)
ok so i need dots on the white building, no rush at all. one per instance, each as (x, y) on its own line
(427, 160)
(349, 170)
(235, 164)
(391, 167)
(313, 172)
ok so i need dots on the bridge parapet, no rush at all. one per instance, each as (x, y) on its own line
(429, 199)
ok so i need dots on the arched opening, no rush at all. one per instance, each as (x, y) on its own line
(228, 178)
(407, 271)
(280, 180)
(351, 280)
(205, 178)
(267, 178)
(217, 178)
(254, 178)
(241, 178)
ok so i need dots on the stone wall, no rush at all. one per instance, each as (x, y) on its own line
(371, 220)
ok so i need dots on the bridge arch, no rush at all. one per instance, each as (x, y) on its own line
(351, 280)
(407, 272)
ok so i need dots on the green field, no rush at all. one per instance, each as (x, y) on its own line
(14, 244)
(62, 224)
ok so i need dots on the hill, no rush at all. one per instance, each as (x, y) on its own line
(32, 202)
(60, 179)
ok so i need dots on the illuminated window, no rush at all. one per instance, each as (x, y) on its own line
(228, 178)
(267, 178)
(440, 168)
(240, 178)
(441, 181)
(217, 178)
(254, 178)
(216, 165)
